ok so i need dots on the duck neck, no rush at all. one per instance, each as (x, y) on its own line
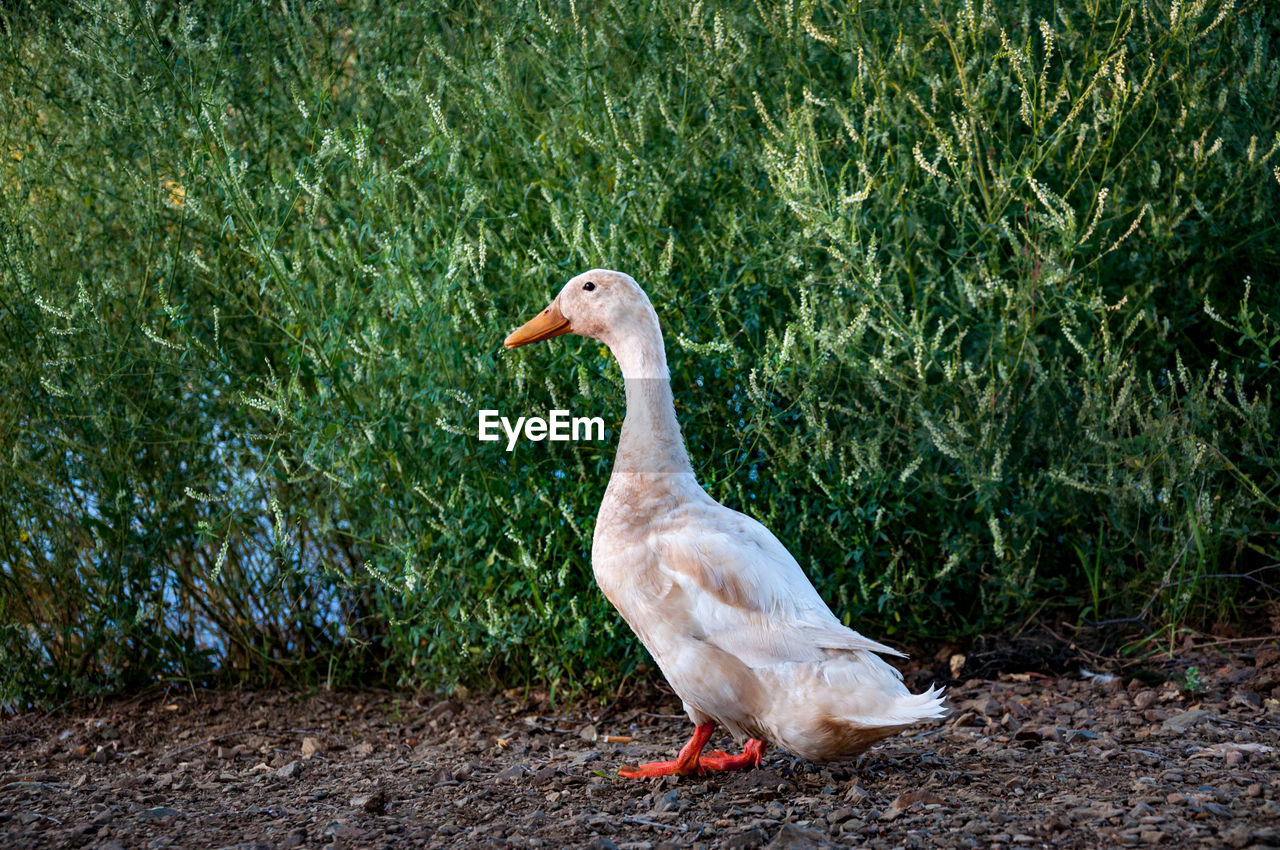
(651, 441)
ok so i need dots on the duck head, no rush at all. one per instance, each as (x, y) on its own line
(601, 304)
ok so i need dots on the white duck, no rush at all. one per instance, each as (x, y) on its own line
(723, 608)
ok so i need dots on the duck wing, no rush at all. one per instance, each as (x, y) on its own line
(744, 591)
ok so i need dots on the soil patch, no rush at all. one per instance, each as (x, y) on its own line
(1180, 751)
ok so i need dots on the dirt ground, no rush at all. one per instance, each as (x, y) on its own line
(1173, 750)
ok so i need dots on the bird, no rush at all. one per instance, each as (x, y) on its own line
(736, 628)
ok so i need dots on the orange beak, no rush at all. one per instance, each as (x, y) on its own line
(547, 324)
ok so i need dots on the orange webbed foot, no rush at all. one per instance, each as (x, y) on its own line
(658, 768)
(686, 762)
(751, 756)
(693, 761)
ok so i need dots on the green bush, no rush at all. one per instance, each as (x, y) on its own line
(976, 308)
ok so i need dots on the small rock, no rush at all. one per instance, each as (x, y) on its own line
(793, 837)
(347, 831)
(512, 773)
(602, 843)
(588, 733)
(987, 706)
(310, 746)
(374, 803)
(363, 749)
(290, 770)
(1073, 736)
(1143, 700)
(1185, 720)
(855, 793)
(746, 839)
(668, 802)
(443, 709)
(1237, 836)
(1029, 736)
(904, 801)
(1141, 810)
(1151, 836)
(158, 813)
(1246, 699)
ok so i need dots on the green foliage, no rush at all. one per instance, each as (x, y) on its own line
(974, 307)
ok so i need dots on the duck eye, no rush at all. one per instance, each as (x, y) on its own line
(589, 286)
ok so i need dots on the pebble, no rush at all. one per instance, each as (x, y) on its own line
(1246, 699)
(795, 837)
(1075, 736)
(1185, 720)
(1143, 700)
(746, 839)
(855, 793)
(1141, 810)
(290, 770)
(515, 771)
(372, 803)
(668, 802)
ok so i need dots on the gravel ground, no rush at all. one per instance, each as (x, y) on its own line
(1177, 751)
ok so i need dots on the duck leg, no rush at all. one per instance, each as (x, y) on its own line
(686, 762)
